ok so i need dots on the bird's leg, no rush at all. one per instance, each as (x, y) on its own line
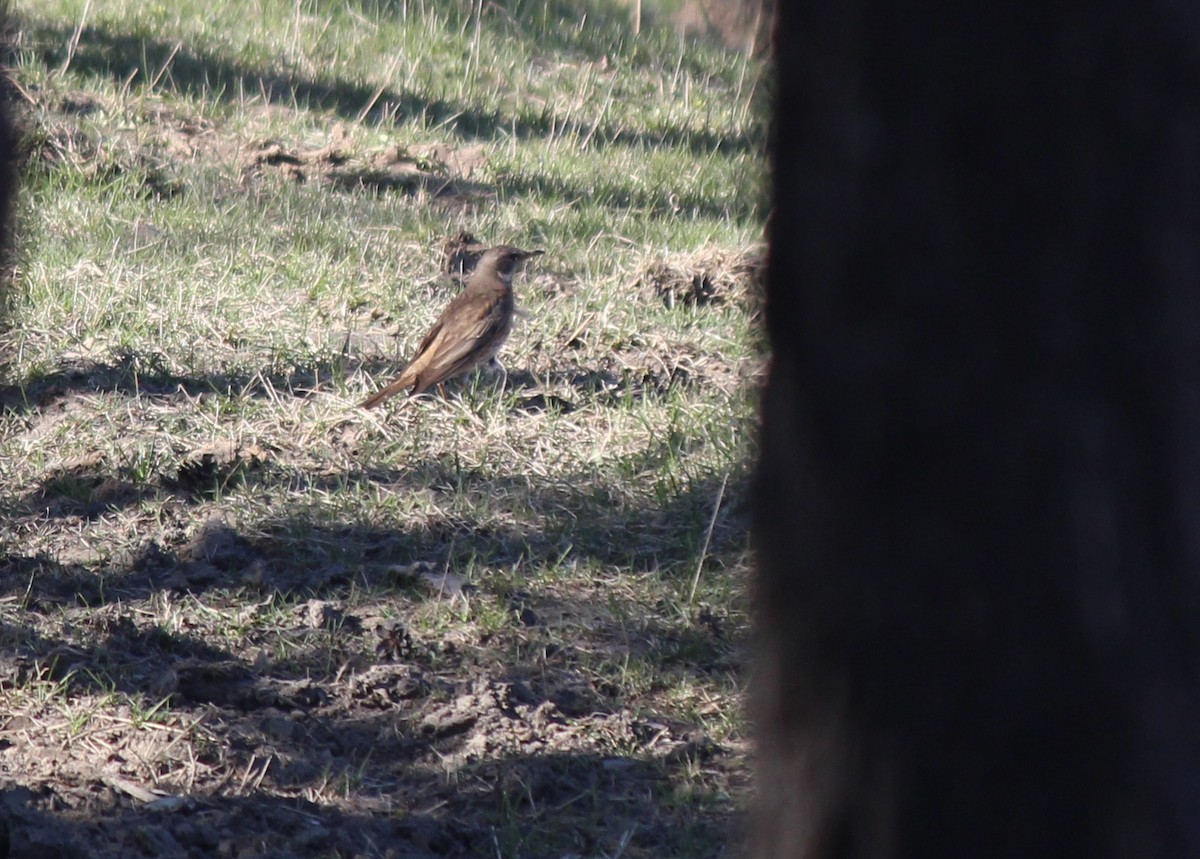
(495, 365)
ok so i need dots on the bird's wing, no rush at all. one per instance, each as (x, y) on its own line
(457, 341)
(451, 349)
(409, 375)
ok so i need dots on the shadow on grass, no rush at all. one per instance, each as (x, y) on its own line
(107, 54)
(527, 743)
(534, 806)
(331, 719)
(566, 522)
(135, 373)
(615, 195)
(197, 73)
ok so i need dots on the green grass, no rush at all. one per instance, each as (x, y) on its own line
(185, 469)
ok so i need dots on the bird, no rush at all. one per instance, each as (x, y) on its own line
(470, 330)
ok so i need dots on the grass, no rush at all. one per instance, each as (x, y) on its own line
(509, 622)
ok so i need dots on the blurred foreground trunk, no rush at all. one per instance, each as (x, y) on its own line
(979, 496)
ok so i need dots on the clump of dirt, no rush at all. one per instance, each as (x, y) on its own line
(81, 486)
(460, 254)
(60, 144)
(216, 466)
(494, 718)
(708, 276)
(440, 170)
(398, 169)
(463, 162)
(62, 131)
(298, 164)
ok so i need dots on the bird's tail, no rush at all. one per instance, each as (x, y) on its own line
(387, 392)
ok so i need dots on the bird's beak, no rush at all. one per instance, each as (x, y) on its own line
(527, 254)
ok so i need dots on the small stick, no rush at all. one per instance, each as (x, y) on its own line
(73, 42)
(712, 523)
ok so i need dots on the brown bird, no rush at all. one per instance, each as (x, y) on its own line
(470, 330)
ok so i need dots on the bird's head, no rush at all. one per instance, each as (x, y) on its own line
(503, 261)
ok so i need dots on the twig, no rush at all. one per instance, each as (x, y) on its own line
(387, 78)
(712, 523)
(73, 44)
(162, 70)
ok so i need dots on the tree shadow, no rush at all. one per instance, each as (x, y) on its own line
(136, 373)
(655, 203)
(198, 73)
(332, 741)
(544, 805)
(146, 374)
(564, 521)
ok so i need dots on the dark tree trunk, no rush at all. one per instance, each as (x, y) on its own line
(979, 495)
